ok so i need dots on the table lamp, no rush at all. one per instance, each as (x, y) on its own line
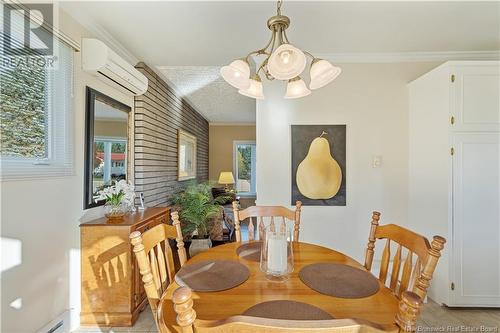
(226, 178)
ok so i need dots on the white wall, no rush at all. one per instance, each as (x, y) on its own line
(372, 100)
(44, 215)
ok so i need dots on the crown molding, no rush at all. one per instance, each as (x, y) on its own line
(395, 57)
(100, 33)
(409, 56)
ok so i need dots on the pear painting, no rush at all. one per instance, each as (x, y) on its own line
(319, 164)
(319, 176)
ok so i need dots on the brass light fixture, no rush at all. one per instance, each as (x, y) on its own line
(283, 61)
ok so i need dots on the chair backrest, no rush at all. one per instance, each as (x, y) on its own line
(414, 276)
(405, 320)
(155, 258)
(265, 214)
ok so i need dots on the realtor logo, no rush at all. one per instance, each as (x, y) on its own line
(27, 29)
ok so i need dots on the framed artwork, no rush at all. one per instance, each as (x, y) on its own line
(319, 165)
(186, 154)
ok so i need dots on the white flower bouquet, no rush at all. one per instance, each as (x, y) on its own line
(119, 198)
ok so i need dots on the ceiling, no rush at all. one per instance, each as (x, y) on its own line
(209, 34)
(205, 89)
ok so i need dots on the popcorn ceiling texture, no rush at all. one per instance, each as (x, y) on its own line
(158, 115)
(207, 91)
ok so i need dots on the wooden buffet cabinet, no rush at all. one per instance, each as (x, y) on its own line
(112, 293)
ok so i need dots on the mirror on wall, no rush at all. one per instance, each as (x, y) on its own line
(106, 144)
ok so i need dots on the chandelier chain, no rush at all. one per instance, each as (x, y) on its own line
(278, 6)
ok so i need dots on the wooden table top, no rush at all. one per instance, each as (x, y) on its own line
(379, 308)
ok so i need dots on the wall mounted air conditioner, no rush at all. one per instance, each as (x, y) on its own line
(103, 62)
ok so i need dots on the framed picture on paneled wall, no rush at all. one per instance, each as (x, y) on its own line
(319, 165)
(186, 153)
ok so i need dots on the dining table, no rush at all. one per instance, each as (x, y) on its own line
(379, 308)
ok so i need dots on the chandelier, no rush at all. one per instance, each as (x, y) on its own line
(282, 61)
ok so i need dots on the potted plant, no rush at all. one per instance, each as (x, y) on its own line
(119, 199)
(196, 207)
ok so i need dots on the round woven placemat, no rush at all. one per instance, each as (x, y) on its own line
(212, 275)
(339, 280)
(250, 251)
(289, 310)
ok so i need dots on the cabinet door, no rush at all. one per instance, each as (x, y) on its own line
(476, 219)
(475, 97)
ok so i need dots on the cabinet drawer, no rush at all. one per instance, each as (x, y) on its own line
(162, 219)
(148, 224)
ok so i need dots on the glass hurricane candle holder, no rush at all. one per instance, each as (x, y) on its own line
(276, 259)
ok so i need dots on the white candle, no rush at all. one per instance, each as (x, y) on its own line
(277, 256)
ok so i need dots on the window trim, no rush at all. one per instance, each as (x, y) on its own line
(235, 166)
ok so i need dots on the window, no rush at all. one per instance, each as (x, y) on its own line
(36, 113)
(244, 157)
(110, 157)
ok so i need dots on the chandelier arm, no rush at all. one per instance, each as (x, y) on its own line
(262, 65)
(274, 42)
(271, 41)
(268, 76)
(309, 54)
(286, 37)
(264, 69)
(262, 50)
(280, 35)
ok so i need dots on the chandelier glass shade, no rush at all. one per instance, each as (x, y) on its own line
(237, 74)
(296, 88)
(286, 62)
(281, 61)
(322, 72)
(255, 90)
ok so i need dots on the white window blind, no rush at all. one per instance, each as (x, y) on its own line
(36, 111)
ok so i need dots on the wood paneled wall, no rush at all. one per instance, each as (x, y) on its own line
(158, 114)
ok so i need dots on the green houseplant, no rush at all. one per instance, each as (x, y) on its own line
(196, 207)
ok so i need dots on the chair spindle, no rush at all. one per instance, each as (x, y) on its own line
(396, 263)
(384, 265)
(405, 277)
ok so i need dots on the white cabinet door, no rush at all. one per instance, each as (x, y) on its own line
(476, 219)
(475, 98)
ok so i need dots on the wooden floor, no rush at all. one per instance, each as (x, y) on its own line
(434, 318)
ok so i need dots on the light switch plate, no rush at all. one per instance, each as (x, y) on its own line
(377, 161)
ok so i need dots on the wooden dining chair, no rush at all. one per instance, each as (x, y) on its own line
(263, 213)
(405, 320)
(416, 276)
(155, 258)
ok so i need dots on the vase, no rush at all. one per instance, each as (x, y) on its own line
(199, 245)
(276, 260)
(115, 213)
